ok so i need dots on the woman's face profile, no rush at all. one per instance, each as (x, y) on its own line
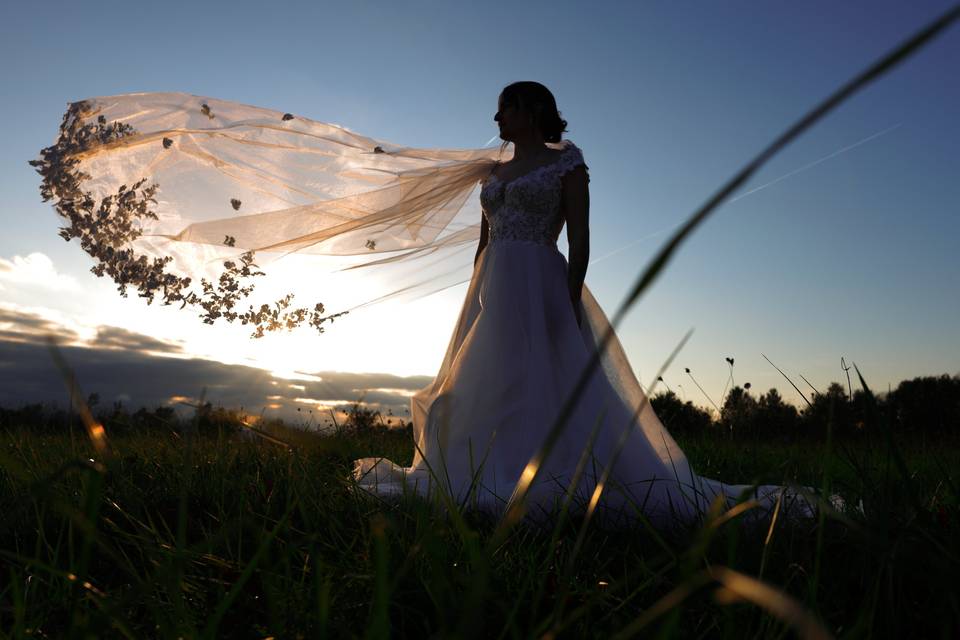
(509, 117)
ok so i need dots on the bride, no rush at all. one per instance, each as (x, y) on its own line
(157, 185)
(527, 329)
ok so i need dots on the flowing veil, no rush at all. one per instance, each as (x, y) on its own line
(189, 199)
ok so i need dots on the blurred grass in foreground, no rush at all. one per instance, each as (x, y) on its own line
(198, 536)
(206, 534)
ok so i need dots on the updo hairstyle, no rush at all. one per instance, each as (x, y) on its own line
(537, 100)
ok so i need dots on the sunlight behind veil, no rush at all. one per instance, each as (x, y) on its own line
(385, 222)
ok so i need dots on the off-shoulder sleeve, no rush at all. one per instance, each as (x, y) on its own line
(571, 158)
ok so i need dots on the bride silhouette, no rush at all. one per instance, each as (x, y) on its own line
(161, 188)
(527, 329)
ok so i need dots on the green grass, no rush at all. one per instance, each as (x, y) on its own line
(210, 536)
(203, 536)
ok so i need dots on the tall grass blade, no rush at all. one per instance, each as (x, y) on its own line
(825, 491)
(211, 630)
(815, 390)
(739, 586)
(379, 626)
(766, 542)
(705, 394)
(95, 430)
(802, 395)
(664, 605)
(907, 480)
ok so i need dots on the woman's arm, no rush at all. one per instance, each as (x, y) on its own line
(484, 234)
(575, 201)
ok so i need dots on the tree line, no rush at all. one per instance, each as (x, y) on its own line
(923, 407)
(206, 418)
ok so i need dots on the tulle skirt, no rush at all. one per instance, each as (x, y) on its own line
(513, 360)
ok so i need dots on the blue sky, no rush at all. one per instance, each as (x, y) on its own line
(855, 256)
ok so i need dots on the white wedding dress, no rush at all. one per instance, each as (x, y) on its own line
(515, 355)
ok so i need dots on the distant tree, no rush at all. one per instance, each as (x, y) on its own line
(817, 414)
(33, 416)
(680, 417)
(363, 420)
(929, 404)
(738, 415)
(775, 417)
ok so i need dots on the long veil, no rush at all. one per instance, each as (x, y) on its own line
(189, 200)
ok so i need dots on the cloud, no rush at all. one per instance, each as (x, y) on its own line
(125, 366)
(119, 338)
(20, 325)
(36, 270)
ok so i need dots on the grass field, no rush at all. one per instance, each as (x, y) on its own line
(209, 535)
(167, 534)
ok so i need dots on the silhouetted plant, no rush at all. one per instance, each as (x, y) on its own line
(363, 420)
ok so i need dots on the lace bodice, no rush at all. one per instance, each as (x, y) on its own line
(527, 207)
